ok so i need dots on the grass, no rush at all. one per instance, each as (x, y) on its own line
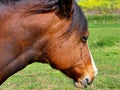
(105, 46)
(104, 42)
(104, 19)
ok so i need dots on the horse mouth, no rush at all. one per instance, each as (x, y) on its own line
(80, 85)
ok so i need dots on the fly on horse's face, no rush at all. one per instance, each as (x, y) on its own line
(47, 31)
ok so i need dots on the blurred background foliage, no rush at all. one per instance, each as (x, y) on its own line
(101, 11)
(100, 6)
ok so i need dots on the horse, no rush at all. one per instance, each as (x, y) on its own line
(53, 32)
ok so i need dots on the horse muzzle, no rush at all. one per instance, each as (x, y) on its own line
(83, 83)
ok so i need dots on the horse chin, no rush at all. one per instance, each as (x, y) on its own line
(80, 85)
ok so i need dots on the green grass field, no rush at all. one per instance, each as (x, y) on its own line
(104, 42)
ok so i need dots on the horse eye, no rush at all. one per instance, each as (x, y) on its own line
(84, 38)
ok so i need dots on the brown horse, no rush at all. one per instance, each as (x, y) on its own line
(47, 31)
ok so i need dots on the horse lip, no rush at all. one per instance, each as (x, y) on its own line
(80, 84)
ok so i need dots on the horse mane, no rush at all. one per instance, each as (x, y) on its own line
(78, 23)
(8, 1)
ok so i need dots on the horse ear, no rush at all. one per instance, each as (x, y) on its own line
(65, 7)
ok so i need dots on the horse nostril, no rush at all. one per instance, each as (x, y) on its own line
(88, 80)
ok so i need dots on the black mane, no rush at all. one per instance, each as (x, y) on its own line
(79, 21)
